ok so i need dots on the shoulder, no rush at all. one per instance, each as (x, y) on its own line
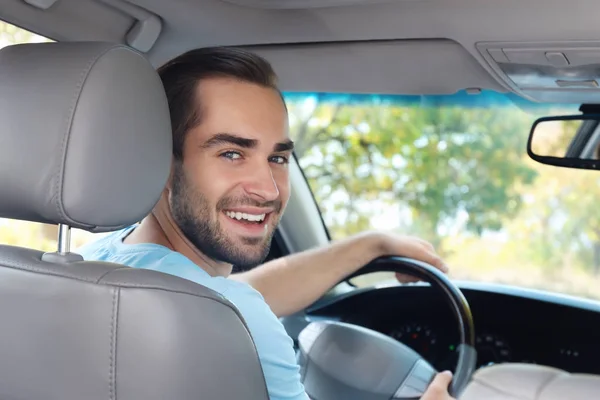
(106, 246)
(274, 345)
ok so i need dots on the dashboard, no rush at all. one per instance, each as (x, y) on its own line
(511, 324)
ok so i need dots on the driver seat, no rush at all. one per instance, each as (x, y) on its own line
(520, 381)
(86, 143)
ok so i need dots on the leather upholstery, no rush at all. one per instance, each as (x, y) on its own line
(90, 331)
(516, 381)
(89, 144)
(86, 135)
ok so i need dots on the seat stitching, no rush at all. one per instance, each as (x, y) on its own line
(59, 175)
(69, 117)
(20, 266)
(113, 347)
(101, 277)
(548, 382)
(120, 284)
(215, 296)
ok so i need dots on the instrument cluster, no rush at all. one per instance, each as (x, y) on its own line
(441, 352)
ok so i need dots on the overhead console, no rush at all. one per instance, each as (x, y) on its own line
(556, 72)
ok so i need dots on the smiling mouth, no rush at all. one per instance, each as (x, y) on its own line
(247, 218)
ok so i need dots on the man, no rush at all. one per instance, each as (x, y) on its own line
(228, 188)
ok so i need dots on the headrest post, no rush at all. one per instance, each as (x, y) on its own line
(64, 239)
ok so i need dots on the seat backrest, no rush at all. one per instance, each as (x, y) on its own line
(85, 141)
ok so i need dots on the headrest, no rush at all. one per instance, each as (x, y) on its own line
(85, 135)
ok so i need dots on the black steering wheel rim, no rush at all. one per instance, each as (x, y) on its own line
(460, 307)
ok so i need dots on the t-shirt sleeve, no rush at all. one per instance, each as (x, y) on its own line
(275, 347)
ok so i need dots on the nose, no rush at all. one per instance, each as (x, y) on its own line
(261, 183)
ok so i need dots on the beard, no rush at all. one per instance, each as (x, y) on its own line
(193, 215)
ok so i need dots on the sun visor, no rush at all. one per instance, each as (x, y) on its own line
(565, 72)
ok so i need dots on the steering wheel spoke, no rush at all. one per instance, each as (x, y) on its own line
(341, 360)
(416, 382)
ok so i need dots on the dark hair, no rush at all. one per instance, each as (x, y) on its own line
(181, 75)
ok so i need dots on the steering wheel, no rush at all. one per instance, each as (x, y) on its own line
(345, 361)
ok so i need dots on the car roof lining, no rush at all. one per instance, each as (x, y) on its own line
(69, 20)
(417, 46)
(376, 67)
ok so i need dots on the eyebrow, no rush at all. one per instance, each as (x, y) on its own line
(288, 145)
(228, 138)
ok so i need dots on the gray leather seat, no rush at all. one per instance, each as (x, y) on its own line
(519, 381)
(85, 142)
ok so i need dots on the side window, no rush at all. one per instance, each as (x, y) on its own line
(22, 233)
(11, 34)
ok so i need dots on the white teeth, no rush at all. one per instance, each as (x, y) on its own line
(247, 217)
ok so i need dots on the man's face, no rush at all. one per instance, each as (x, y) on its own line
(228, 194)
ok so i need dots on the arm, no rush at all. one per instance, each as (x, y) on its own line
(290, 284)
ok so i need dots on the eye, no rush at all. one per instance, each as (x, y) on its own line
(279, 160)
(232, 155)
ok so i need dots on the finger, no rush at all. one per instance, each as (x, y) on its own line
(438, 388)
(427, 245)
(405, 278)
(419, 253)
(416, 249)
(434, 258)
(442, 380)
(419, 249)
(442, 266)
(440, 383)
(424, 243)
(437, 262)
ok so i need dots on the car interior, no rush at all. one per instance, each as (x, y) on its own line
(84, 116)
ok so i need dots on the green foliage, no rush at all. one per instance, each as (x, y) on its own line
(434, 162)
(456, 175)
(11, 34)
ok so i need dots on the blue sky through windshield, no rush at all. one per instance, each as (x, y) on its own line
(485, 99)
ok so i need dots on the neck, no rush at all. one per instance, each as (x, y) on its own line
(159, 227)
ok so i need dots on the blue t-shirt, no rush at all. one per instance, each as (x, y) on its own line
(274, 346)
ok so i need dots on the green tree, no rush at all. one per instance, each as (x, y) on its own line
(576, 208)
(11, 34)
(560, 221)
(434, 163)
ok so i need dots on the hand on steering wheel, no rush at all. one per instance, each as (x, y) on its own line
(341, 360)
(438, 388)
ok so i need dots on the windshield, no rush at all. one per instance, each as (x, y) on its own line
(453, 170)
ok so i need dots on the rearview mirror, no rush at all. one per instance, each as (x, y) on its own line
(571, 141)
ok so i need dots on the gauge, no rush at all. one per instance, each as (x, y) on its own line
(419, 337)
(492, 349)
